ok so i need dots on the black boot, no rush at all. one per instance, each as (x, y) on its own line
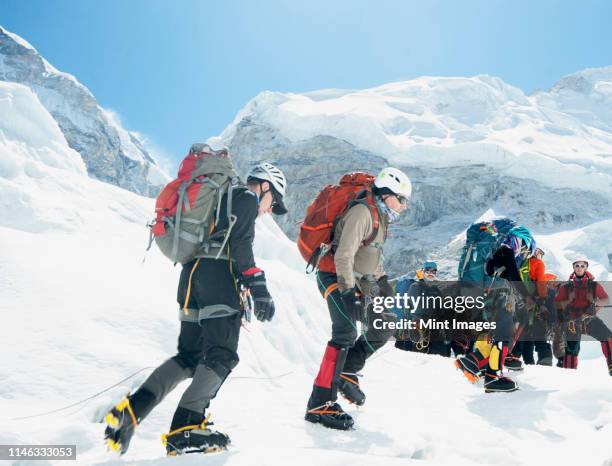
(560, 362)
(496, 383)
(121, 421)
(350, 389)
(120, 425)
(545, 361)
(190, 433)
(513, 363)
(331, 415)
(322, 407)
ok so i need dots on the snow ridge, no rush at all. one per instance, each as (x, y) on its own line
(111, 153)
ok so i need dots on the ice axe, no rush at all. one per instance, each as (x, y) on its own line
(247, 302)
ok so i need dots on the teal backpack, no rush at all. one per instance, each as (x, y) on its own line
(483, 239)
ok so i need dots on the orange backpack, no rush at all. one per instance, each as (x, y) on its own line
(317, 230)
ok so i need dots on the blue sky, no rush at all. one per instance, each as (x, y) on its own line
(178, 71)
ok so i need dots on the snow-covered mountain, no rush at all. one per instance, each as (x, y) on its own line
(110, 152)
(471, 145)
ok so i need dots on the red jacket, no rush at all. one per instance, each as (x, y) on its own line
(580, 293)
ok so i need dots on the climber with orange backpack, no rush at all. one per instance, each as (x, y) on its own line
(205, 219)
(540, 316)
(341, 239)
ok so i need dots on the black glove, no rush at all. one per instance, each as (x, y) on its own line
(385, 287)
(255, 280)
(351, 304)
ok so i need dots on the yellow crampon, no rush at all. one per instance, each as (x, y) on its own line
(114, 446)
(203, 425)
(114, 422)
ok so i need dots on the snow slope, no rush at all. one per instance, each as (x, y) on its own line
(82, 311)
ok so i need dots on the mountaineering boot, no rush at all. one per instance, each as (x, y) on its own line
(121, 421)
(545, 361)
(570, 361)
(322, 407)
(496, 383)
(469, 365)
(330, 415)
(350, 389)
(120, 425)
(513, 363)
(560, 362)
(189, 433)
(494, 380)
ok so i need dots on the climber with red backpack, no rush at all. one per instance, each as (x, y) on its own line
(342, 238)
(205, 219)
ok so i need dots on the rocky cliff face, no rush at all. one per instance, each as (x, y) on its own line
(110, 153)
(445, 200)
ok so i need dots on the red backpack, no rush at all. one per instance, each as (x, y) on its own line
(317, 230)
(187, 209)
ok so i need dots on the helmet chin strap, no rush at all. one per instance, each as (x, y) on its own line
(262, 193)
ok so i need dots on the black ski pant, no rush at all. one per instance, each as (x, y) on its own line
(592, 326)
(533, 338)
(207, 348)
(345, 352)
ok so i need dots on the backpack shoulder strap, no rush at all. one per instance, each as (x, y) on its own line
(366, 198)
(570, 289)
(592, 287)
(231, 218)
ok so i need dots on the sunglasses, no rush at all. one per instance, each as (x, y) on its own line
(580, 266)
(433, 271)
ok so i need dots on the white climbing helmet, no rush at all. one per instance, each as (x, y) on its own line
(395, 181)
(580, 259)
(267, 172)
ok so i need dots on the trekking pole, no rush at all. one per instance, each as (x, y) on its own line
(247, 302)
(517, 336)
